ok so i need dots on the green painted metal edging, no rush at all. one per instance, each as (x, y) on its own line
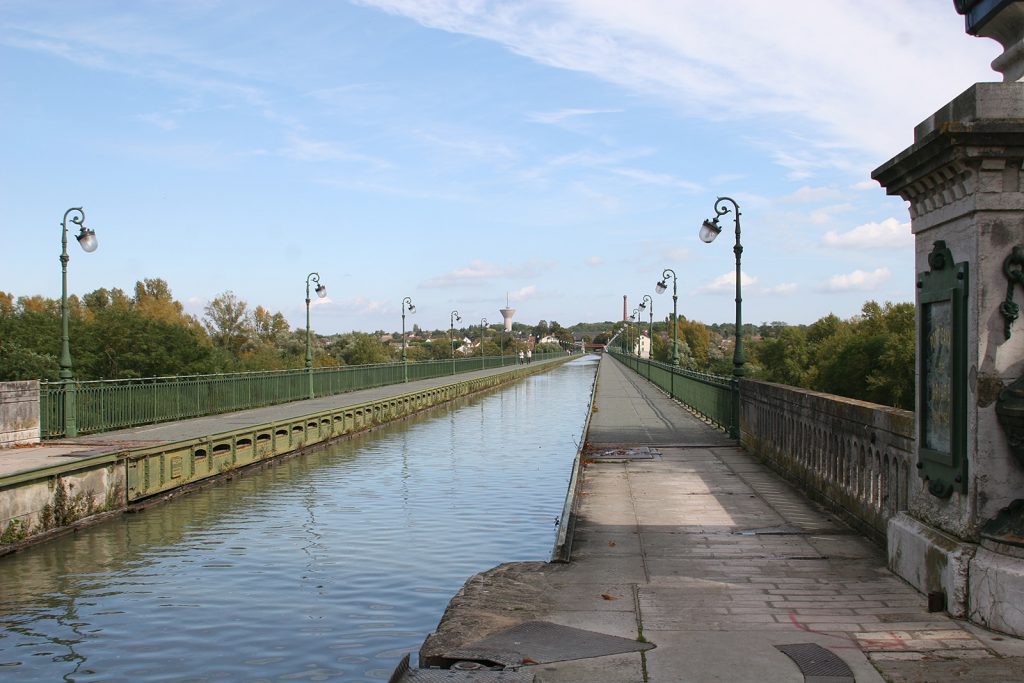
(364, 416)
(104, 405)
(709, 396)
(141, 485)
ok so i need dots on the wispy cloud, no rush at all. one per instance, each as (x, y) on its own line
(660, 179)
(306, 149)
(593, 261)
(566, 114)
(674, 50)
(857, 281)
(726, 284)
(481, 271)
(888, 234)
(810, 195)
(783, 289)
(523, 293)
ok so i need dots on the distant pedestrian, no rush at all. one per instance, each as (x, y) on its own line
(529, 356)
(520, 357)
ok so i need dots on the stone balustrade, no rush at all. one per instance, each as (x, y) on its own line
(19, 413)
(855, 457)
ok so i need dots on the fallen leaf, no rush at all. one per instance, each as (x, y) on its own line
(606, 596)
(611, 544)
(527, 660)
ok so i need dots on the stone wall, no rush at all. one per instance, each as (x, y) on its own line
(855, 457)
(19, 413)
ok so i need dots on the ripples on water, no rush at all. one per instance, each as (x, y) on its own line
(327, 566)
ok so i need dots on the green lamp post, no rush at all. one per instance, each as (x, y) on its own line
(483, 328)
(321, 292)
(406, 305)
(648, 303)
(451, 333)
(660, 289)
(708, 232)
(87, 239)
(635, 317)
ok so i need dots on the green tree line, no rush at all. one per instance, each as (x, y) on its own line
(869, 357)
(147, 333)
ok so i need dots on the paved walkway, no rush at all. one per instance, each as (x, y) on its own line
(707, 554)
(63, 451)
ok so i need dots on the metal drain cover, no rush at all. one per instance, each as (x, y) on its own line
(541, 642)
(784, 530)
(817, 664)
(404, 674)
(617, 454)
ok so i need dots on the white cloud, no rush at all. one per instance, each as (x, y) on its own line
(523, 293)
(807, 195)
(566, 114)
(361, 305)
(865, 185)
(857, 281)
(306, 149)
(823, 216)
(660, 179)
(594, 261)
(480, 271)
(160, 121)
(783, 289)
(676, 51)
(726, 283)
(317, 301)
(888, 234)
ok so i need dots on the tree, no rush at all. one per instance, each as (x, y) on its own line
(227, 323)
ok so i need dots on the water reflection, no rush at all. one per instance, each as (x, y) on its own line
(330, 565)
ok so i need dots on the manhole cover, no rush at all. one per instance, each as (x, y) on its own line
(618, 454)
(773, 531)
(541, 642)
(817, 664)
(404, 674)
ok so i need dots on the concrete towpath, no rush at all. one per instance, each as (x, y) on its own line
(707, 554)
(64, 451)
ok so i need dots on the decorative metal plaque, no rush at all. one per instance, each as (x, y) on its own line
(942, 399)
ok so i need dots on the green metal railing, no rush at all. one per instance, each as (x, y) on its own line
(104, 405)
(715, 398)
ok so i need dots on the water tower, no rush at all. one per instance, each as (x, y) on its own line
(507, 314)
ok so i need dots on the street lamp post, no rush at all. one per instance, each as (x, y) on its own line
(636, 333)
(483, 326)
(451, 333)
(660, 289)
(321, 292)
(708, 232)
(406, 303)
(87, 239)
(648, 303)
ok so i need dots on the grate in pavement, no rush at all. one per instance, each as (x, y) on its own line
(619, 454)
(817, 664)
(404, 674)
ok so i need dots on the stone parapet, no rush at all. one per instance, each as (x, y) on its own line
(19, 413)
(854, 456)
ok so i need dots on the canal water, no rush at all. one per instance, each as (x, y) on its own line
(329, 566)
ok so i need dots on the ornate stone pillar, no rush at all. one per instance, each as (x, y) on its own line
(961, 541)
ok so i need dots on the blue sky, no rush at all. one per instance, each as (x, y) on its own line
(559, 152)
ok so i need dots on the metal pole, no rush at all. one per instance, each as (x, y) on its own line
(315, 277)
(483, 361)
(66, 374)
(720, 210)
(451, 333)
(407, 301)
